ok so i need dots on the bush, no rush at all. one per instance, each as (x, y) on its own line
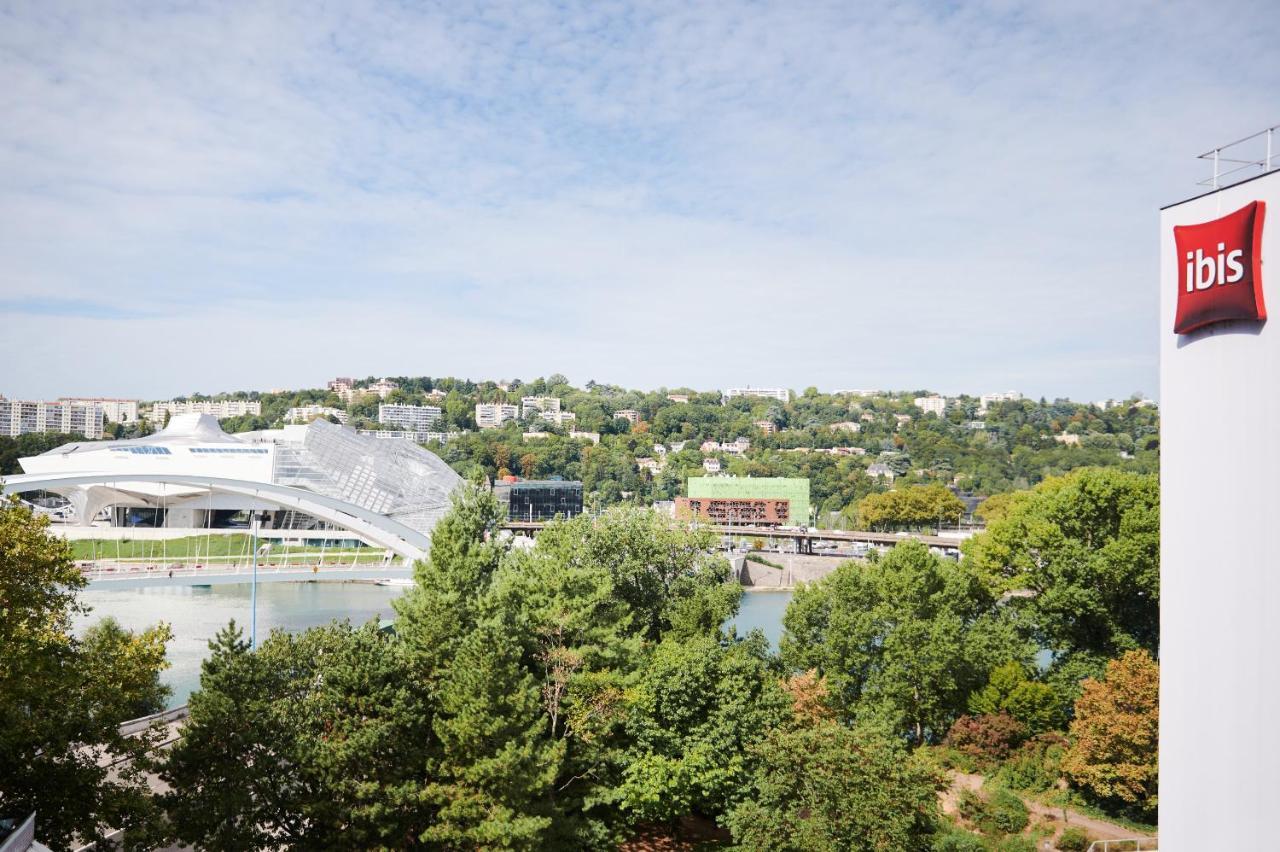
(958, 841)
(1074, 840)
(1037, 765)
(1009, 814)
(990, 737)
(1002, 813)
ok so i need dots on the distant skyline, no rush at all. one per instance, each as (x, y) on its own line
(955, 197)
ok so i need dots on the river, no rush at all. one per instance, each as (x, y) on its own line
(196, 614)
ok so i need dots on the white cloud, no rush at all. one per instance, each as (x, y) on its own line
(960, 198)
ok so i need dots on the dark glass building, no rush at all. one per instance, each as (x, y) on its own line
(539, 499)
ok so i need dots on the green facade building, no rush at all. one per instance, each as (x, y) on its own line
(795, 490)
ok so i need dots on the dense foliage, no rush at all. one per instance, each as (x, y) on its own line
(904, 640)
(1116, 734)
(1081, 553)
(545, 698)
(62, 700)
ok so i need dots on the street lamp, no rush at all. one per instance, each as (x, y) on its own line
(255, 518)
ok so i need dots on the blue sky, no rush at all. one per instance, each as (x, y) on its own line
(959, 197)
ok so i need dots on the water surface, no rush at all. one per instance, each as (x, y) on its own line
(196, 614)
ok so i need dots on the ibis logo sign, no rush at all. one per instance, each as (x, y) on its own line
(1220, 269)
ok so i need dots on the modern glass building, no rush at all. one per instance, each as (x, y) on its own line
(539, 499)
(191, 475)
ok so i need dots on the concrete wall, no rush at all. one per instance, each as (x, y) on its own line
(1220, 583)
(797, 568)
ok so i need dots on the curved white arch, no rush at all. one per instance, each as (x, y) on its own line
(379, 529)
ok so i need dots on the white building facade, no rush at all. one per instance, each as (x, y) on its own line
(1219, 459)
(67, 416)
(780, 394)
(306, 413)
(113, 410)
(411, 418)
(931, 404)
(221, 409)
(491, 415)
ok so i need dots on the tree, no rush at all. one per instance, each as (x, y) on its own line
(497, 767)
(1009, 690)
(824, 787)
(666, 573)
(904, 641)
(913, 506)
(1087, 545)
(133, 662)
(436, 614)
(699, 707)
(1115, 735)
(314, 741)
(62, 700)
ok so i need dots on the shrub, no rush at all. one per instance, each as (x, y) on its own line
(950, 758)
(1074, 840)
(958, 841)
(989, 737)
(1037, 765)
(1009, 814)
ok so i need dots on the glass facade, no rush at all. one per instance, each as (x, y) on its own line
(540, 500)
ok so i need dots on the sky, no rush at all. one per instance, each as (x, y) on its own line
(954, 196)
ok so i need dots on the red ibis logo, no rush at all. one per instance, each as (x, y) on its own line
(1220, 269)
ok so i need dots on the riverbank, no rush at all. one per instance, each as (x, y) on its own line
(792, 569)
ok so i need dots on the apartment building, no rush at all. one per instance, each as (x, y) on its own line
(220, 409)
(932, 404)
(490, 415)
(628, 414)
(307, 413)
(411, 418)
(989, 399)
(543, 404)
(21, 417)
(780, 394)
(113, 410)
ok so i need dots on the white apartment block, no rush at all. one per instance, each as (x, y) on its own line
(411, 418)
(711, 465)
(410, 435)
(347, 391)
(628, 414)
(20, 417)
(988, 399)
(593, 437)
(543, 404)
(932, 404)
(768, 427)
(382, 388)
(307, 413)
(490, 415)
(114, 410)
(780, 394)
(560, 418)
(220, 409)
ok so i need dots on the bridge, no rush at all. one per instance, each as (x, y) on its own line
(135, 576)
(804, 538)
